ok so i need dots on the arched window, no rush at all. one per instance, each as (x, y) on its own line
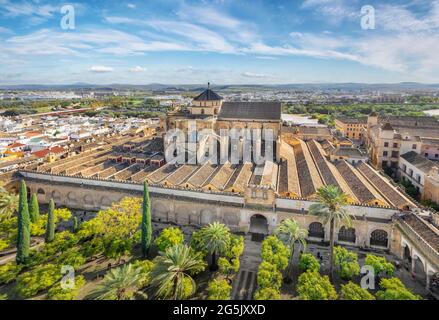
(346, 235)
(379, 238)
(316, 230)
(41, 191)
(56, 195)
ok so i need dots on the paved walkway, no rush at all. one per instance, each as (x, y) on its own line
(245, 283)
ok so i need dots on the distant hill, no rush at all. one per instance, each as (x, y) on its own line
(394, 87)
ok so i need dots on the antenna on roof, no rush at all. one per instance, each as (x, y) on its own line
(208, 85)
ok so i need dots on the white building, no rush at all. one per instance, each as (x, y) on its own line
(414, 168)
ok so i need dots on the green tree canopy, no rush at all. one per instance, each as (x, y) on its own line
(307, 262)
(8, 204)
(275, 252)
(169, 237)
(267, 294)
(347, 262)
(313, 286)
(50, 226)
(146, 224)
(215, 240)
(113, 231)
(219, 290)
(394, 289)
(380, 265)
(58, 293)
(352, 291)
(331, 209)
(290, 233)
(269, 276)
(145, 267)
(173, 270)
(118, 284)
(34, 209)
(23, 230)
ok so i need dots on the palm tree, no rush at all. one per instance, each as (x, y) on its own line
(289, 232)
(215, 239)
(173, 270)
(331, 210)
(118, 284)
(8, 204)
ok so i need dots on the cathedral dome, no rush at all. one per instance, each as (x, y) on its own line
(208, 95)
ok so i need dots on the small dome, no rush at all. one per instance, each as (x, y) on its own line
(208, 95)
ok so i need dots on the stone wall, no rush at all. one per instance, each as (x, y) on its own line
(187, 207)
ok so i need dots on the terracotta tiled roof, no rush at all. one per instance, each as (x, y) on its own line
(427, 232)
(45, 152)
(395, 197)
(15, 145)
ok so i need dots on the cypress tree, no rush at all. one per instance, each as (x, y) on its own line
(75, 224)
(146, 222)
(34, 209)
(50, 228)
(23, 233)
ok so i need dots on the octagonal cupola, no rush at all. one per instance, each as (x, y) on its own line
(207, 103)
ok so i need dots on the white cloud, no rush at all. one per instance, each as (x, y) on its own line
(186, 69)
(100, 69)
(15, 9)
(398, 18)
(185, 35)
(266, 58)
(131, 5)
(208, 16)
(5, 30)
(256, 75)
(137, 69)
(333, 11)
(49, 42)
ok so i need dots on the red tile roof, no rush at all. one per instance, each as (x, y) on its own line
(15, 145)
(45, 152)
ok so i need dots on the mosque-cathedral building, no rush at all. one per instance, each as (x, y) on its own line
(247, 196)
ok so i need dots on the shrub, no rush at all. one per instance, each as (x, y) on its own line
(169, 237)
(38, 279)
(58, 293)
(313, 286)
(380, 265)
(219, 290)
(267, 294)
(347, 262)
(308, 262)
(145, 267)
(269, 276)
(394, 289)
(275, 252)
(352, 291)
(9, 272)
(228, 267)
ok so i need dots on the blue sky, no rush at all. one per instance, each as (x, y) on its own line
(222, 41)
